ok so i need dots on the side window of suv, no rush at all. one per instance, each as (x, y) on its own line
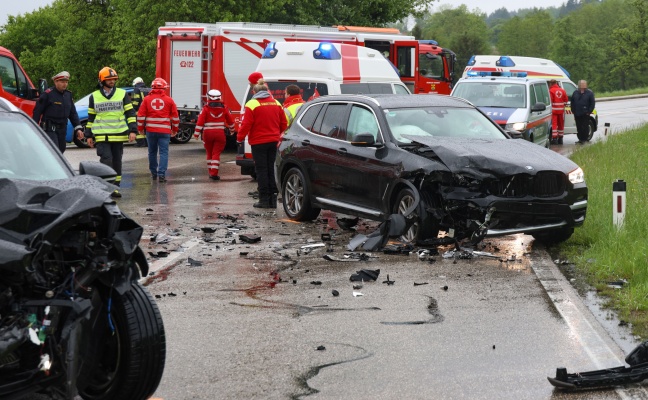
(532, 96)
(8, 76)
(361, 120)
(308, 119)
(333, 120)
(542, 93)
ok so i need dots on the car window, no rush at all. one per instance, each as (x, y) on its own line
(466, 123)
(542, 93)
(333, 120)
(25, 152)
(532, 95)
(492, 94)
(430, 65)
(569, 88)
(308, 118)
(366, 88)
(400, 89)
(8, 76)
(361, 120)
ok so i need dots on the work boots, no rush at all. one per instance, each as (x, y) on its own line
(273, 200)
(265, 201)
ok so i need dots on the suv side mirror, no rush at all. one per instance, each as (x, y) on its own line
(363, 140)
(539, 106)
(98, 169)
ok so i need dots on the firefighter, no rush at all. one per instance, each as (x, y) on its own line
(139, 92)
(157, 120)
(263, 121)
(111, 122)
(212, 122)
(293, 102)
(558, 100)
(53, 109)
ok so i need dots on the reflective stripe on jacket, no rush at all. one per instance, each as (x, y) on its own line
(158, 113)
(214, 118)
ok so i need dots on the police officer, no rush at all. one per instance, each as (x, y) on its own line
(53, 109)
(139, 92)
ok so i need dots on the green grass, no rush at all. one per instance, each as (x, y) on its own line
(618, 93)
(598, 249)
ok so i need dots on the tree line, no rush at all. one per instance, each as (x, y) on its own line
(602, 41)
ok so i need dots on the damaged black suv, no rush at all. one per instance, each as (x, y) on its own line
(437, 160)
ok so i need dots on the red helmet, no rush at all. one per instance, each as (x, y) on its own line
(159, 83)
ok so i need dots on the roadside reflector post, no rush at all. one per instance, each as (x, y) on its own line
(618, 202)
(607, 126)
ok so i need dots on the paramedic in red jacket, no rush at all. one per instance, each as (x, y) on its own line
(212, 121)
(158, 119)
(558, 100)
(263, 123)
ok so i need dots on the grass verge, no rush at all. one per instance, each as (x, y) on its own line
(601, 252)
(618, 93)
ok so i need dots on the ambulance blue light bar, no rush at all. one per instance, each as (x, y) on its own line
(326, 51)
(270, 51)
(432, 42)
(496, 73)
(505, 61)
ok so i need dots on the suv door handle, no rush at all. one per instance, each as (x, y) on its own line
(305, 142)
(342, 151)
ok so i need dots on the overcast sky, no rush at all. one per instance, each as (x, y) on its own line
(15, 7)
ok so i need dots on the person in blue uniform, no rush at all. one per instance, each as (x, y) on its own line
(53, 109)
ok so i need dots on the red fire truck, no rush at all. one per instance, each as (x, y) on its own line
(195, 57)
(16, 85)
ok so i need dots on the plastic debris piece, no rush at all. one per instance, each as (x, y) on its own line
(356, 294)
(388, 282)
(347, 223)
(404, 249)
(317, 283)
(443, 241)
(445, 288)
(335, 293)
(244, 253)
(321, 348)
(329, 257)
(326, 237)
(484, 254)
(420, 284)
(313, 246)
(33, 336)
(208, 229)
(357, 287)
(617, 284)
(157, 296)
(194, 263)
(149, 209)
(250, 238)
(365, 275)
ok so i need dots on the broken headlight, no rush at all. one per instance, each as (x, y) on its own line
(576, 176)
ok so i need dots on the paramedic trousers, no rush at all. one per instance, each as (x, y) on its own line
(110, 154)
(158, 141)
(214, 142)
(264, 156)
(582, 127)
(558, 125)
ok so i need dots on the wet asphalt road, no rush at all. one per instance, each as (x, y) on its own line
(249, 326)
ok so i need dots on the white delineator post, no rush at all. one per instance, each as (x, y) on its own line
(607, 125)
(618, 202)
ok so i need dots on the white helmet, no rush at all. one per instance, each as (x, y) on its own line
(214, 95)
(137, 80)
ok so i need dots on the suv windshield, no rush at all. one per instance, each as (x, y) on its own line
(24, 152)
(492, 94)
(465, 123)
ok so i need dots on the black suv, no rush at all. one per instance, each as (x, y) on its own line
(436, 159)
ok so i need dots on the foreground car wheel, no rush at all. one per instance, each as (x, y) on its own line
(131, 360)
(296, 197)
(554, 236)
(420, 230)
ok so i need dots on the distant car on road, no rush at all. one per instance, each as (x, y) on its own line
(82, 109)
(376, 155)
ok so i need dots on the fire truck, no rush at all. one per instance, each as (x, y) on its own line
(197, 57)
(16, 85)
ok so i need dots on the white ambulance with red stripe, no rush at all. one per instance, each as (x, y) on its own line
(534, 68)
(321, 69)
(196, 57)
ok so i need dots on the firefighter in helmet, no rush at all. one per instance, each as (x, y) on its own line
(139, 92)
(111, 122)
(213, 123)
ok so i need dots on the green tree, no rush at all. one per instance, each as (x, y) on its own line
(526, 36)
(632, 45)
(460, 30)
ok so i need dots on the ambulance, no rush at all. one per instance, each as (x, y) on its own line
(321, 69)
(196, 57)
(534, 68)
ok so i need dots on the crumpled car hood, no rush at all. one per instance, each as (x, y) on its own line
(28, 207)
(483, 158)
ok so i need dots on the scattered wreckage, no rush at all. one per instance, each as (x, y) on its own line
(74, 320)
(635, 373)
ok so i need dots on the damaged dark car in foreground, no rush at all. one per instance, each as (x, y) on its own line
(74, 319)
(437, 160)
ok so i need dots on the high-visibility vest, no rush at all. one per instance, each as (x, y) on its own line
(110, 124)
(291, 111)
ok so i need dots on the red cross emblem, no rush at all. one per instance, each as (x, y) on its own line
(157, 104)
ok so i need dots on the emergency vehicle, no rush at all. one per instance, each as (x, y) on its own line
(535, 68)
(196, 57)
(16, 86)
(320, 69)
